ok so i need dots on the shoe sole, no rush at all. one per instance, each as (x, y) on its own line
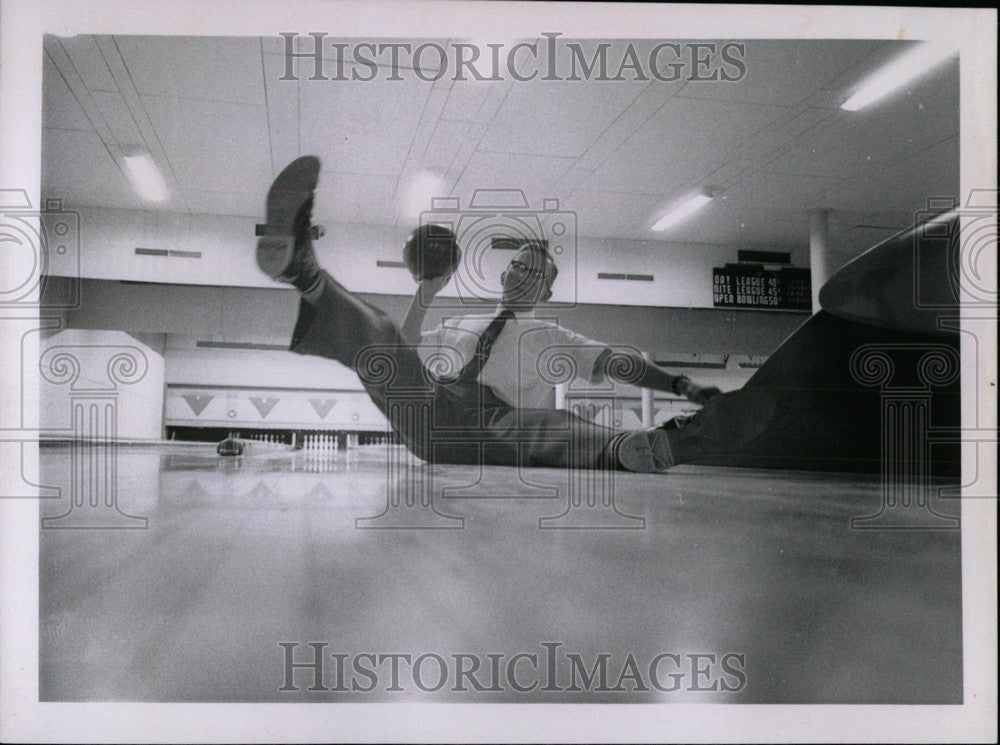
(725, 425)
(646, 451)
(293, 187)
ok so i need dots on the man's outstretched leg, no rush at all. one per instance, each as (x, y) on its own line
(332, 322)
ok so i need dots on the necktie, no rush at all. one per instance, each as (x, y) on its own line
(484, 346)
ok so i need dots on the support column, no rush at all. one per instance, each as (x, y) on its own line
(819, 253)
(647, 400)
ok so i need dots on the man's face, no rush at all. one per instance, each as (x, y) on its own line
(528, 279)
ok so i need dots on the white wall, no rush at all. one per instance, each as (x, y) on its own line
(78, 374)
(109, 237)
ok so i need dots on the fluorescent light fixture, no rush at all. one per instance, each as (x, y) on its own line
(425, 186)
(685, 209)
(145, 177)
(908, 66)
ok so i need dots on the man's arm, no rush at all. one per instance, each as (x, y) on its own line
(427, 290)
(635, 370)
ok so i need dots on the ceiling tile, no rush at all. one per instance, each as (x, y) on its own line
(243, 204)
(354, 198)
(213, 68)
(784, 74)
(77, 168)
(362, 127)
(89, 62)
(119, 119)
(612, 215)
(561, 118)
(534, 175)
(685, 139)
(212, 145)
(713, 225)
(886, 132)
(60, 109)
(902, 187)
(466, 98)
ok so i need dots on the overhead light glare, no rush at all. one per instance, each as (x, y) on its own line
(425, 187)
(146, 177)
(683, 210)
(905, 68)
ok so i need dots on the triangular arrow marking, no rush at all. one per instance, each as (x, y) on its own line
(264, 405)
(197, 402)
(322, 406)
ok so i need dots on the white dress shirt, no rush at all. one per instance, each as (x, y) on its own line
(528, 358)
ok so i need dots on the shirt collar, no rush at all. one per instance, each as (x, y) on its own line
(519, 313)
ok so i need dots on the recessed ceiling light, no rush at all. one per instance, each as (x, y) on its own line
(908, 66)
(425, 186)
(145, 177)
(682, 210)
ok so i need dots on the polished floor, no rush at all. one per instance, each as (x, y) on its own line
(719, 584)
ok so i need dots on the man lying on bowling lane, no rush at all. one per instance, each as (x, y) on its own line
(525, 344)
(458, 417)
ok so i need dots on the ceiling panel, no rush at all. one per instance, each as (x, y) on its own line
(77, 168)
(534, 175)
(552, 118)
(212, 68)
(466, 98)
(354, 198)
(243, 204)
(684, 139)
(601, 213)
(282, 114)
(717, 225)
(211, 145)
(444, 144)
(89, 62)
(882, 133)
(60, 109)
(782, 195)
(361, 128)
(782, 74)
(118, 117)
(775, 143)
(627, 122)
(902, 187)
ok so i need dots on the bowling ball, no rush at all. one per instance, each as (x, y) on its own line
(431, 251)
(230, 446)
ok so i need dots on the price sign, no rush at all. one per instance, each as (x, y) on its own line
(736, 286)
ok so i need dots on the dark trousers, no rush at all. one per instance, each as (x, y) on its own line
(439, 422)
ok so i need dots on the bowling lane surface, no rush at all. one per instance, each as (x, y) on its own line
(721, 584)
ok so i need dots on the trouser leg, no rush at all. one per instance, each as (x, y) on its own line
(475, 426)
(339, 326)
